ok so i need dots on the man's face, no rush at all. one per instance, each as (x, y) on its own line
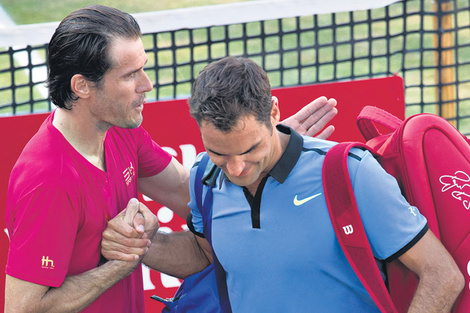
(119, 100)
(245, 154)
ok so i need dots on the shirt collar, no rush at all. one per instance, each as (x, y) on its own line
(289, 158)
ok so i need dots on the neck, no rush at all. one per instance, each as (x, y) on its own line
(281, 141)
(82, 135)
(280, 146)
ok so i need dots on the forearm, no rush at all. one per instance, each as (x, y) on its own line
(80, 291)
(177, 254)
(440, 280)
(437, 293)
(75, 294)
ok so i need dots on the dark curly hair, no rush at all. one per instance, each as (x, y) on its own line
(229, 89)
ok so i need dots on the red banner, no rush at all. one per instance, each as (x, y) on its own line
(169, 124)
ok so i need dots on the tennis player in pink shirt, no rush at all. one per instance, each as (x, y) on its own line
(85, 163)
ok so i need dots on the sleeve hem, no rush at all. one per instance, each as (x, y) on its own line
(409, 245)
(189, 222)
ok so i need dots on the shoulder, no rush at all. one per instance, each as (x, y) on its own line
(319, 146)
(315, 151)
(322, 146)
(204, 170)
(201, 164)
(47, 160)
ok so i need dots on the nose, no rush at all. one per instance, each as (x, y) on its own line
(145, 84)
(235, 166)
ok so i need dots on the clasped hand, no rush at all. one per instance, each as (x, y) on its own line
(127, 236)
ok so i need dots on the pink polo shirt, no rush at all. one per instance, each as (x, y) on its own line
(58, 204)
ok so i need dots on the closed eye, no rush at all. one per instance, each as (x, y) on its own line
(243, 153)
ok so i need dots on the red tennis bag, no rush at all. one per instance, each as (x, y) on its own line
(430, 159)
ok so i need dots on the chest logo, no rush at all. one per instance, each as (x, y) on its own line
(129, 174)
(298, 202)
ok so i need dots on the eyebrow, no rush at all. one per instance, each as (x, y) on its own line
(136, 70)
(243, 153)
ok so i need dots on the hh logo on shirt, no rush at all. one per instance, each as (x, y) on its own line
(129, 174)
(47, 263)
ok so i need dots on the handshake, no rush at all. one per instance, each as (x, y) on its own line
(127, 236)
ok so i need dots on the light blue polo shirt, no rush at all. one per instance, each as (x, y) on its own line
(279, 248)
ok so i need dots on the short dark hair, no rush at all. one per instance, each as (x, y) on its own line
(229, 89)
(80, 45)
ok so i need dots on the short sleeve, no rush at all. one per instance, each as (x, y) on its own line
(196, 220)
(152, 158)
(42, 235)
(390, 222)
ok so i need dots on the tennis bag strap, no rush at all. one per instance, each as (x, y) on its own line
(348, 225)
(206, 174)
(430, 160)
(370, 116)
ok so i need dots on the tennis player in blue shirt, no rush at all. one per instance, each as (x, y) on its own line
(271, 230)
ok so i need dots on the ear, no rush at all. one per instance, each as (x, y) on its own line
(80, 86)
(275, 112)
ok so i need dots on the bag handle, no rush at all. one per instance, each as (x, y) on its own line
(370, 115)
(348, 226)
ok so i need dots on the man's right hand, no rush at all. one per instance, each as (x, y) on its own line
(127, 236)
(313, 117)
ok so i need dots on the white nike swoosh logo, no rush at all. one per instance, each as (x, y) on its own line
(298, 202)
